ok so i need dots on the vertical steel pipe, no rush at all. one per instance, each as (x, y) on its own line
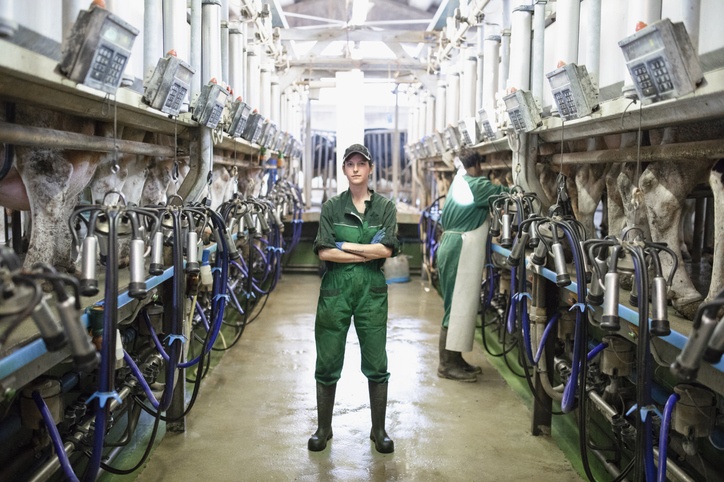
(175, 35)
(70, 13)
(195, 54)
(468, 81)
(593, 41)
(253, 77)
(452, 111)
(236, 60)
(152, 35)
(210, 41)
(538, 55)
(691, 13)
(505, 45)
(568, 14)
(490, 82)
(520, 37)
(440, 105)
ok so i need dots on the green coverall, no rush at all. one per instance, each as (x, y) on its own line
(354, 290)
(466, 209)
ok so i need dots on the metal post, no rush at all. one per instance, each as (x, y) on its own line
(490, 82)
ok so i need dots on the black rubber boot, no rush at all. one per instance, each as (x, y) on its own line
(450, 366)
(467, 367)
(325, 406)
(378, 407)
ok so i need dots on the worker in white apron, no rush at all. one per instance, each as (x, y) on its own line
(460, 261)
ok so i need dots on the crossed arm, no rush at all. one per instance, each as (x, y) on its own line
(355, 253)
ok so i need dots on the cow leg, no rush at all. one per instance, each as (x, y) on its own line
(665, 185)
(716, 181)
(616, 219)
(590, 182)
(47, 174)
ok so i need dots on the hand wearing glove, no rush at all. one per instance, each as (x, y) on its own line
(378, 236)
(339, 244)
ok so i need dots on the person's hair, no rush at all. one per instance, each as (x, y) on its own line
(471, 158)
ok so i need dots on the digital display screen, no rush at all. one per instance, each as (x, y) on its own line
(511, 102)
(644, 45)
(221, 97)
(117, 35)
(559, 80)
(184, 75)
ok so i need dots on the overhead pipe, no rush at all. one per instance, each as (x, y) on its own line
(538, 51)
(474, 16)
(520, 37)
(712, 149)
(54, 139)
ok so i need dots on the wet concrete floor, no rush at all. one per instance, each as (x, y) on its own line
(257, 408)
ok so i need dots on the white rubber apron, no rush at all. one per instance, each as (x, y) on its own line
(466, 296)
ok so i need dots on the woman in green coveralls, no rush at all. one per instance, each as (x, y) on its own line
(460, 261)
(357, 231)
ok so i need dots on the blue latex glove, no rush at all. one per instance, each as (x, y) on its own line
(378, 236)
(339, 244)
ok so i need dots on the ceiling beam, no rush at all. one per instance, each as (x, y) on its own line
(367, 65)
(360, 35)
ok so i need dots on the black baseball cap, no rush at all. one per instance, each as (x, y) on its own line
(357, 149)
